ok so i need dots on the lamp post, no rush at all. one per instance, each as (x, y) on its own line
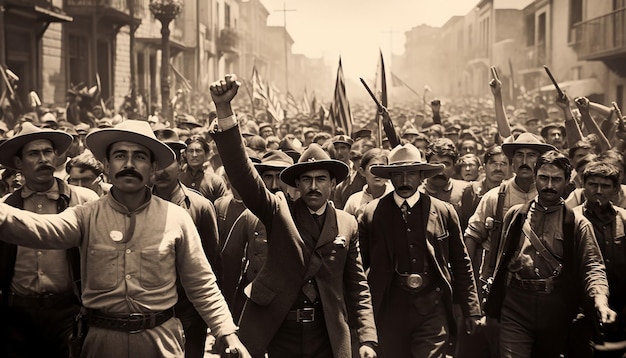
(165, 11)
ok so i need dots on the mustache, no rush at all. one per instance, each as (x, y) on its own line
(129, 172)
(45, 167)
(405, 187)
(524, 166)
(315, 192)
(440, 176)
(551, 191)
(497, 172)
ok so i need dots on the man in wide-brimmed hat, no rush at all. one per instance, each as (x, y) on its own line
(134, 247)
(484, 227)
(29, 276)
(312, 279)
(555, 134)
(413, 247)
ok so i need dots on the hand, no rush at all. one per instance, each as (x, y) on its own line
(367, 352)
(562, 101)
(496, 86)
(435, 105)
(233, 347)
(223, 91)
(472, 323)
(583, 104)
(605, 313)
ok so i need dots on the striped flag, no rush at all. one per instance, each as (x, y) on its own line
(274, 108)
(259, 92)
(305, 105)
(184, 83)
(341, 115)
(292, 105)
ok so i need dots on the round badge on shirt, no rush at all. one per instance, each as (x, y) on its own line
(116, 236)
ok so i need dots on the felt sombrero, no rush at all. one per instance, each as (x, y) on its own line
(133, 131)
(405, 158)
(29, 132)
(314, 158)
(274, 160)
(526, 140)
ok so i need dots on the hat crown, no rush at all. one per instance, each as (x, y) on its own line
(313, 153)
(277, 157)
(139, 127)
(528, 138)
(405, 154)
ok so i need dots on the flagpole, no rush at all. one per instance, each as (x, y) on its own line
(245, 84)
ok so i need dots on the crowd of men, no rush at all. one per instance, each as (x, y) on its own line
(489, 232)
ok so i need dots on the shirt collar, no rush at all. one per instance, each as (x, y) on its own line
(52, 193)
(412, 200)
(319, 211)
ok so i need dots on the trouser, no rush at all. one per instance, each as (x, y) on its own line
(194, 327)
(412, 325)
(37, 331)
(300, 339)
(534, 324)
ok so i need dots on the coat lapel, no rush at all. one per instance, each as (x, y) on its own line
(328, 234)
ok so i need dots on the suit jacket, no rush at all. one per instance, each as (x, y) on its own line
(444, 243)
(334, 263)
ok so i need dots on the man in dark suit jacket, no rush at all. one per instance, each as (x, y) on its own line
(313, 279)
(413, 247)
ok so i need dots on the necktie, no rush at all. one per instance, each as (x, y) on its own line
(310, 291)
(405, 210)
(319, 220)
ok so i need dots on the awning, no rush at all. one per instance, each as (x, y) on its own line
(175, 45)
(578, 88)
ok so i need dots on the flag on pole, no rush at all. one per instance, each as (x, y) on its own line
(305, 105)
(186, 86)
(313, 107)
(259, 92)
(292, 105)
(398, 82)
(380, 87)
(341, 114)
(274, 108)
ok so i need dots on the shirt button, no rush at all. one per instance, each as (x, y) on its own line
(39, 253)
(410, 246)
(437, 289)
(414, 260)
(128, 277)
(408, 229)
(193, 184)
(607, 260)
(128, 251)
(39, 206)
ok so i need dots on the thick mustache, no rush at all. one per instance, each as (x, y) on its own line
(45, 167)
(405, 187)
(129, 172)
(498, 172)
(524, 166)
(313, 192)
(552, 191)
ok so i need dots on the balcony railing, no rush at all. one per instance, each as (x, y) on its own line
(601, 37)
(228, 40)
(123, 6)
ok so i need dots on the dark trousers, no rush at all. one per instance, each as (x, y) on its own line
(36, 332)
(305, 340)
(194, 327)
(412, 325)
(484, 343)
(534, 324)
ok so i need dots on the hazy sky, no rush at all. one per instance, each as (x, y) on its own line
(356, 29)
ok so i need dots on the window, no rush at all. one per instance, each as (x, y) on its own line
(78, 48)
(226, 15)
(575, 16)
(530, 30)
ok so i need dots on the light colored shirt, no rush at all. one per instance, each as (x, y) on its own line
(514, 195)
(357, 201)
(129, 260)
(577, 197)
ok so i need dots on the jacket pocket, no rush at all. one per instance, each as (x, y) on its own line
(261, 294)
(103, 269)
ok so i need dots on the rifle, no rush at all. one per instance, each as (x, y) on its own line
(556, 85)
(387, 123)
(618, 112)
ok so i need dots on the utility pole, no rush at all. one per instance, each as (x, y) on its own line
(284, 10)
(391, 33)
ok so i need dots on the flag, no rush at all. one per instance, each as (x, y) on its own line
(186, 86)
(292, 105)
(274, 108)
(341, 115)
(397, 82)
(313, 107)
(259, 92)
(305, 105)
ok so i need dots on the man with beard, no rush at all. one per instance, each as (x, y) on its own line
(134, 246)
(601, 183)
(313, 279)
(413, 246)
(442, 185)
(485, 224)
(549, 265)
(39, 287)
(168, 187)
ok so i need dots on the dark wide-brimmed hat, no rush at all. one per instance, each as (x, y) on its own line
(526, 140)
(29, 132)
(546, 128)
(133, 131)
(170, 137)
(274, 160)
(406, 158)
(314, 158)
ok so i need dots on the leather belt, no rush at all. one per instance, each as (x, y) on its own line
(544, 285)
(131, 322)
(304, 315)
(414, 282)
(45, 300)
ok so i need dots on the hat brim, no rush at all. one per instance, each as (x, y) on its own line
(338, 169)
(10, 147)
(509, 148)
(98, 142)
(261, 167)
(176, 146)
(428, 170)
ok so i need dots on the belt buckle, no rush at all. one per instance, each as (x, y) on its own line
(136, 317)
(305, 315)
(414, 280)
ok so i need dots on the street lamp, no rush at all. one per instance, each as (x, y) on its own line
(165, 11)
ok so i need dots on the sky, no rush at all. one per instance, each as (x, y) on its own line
(356, 29)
